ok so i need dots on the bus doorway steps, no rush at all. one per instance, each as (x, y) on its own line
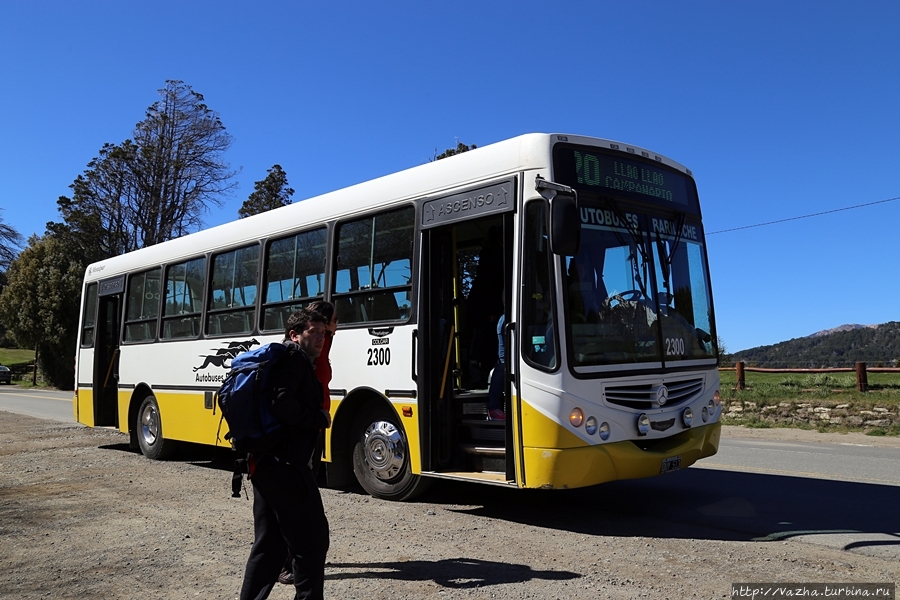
(482, 430)
(485, 459)
(477, 428)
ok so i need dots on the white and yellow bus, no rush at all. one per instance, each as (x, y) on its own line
(592, 251)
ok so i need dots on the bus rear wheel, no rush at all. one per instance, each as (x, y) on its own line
(150, 433)
(381, 456)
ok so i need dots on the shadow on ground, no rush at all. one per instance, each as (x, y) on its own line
(689, 504)
(451, 573)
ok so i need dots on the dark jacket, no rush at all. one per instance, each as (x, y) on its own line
(297, 403)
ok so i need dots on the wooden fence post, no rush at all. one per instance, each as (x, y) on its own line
(862, 380)
(34, 372)
(739, 371)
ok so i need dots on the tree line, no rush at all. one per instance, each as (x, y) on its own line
(153, 187)
(875, 346)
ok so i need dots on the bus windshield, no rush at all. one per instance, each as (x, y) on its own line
(638, 290)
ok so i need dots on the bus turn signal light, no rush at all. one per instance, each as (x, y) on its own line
(576, 417)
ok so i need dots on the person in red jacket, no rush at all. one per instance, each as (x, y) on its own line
(323, 364)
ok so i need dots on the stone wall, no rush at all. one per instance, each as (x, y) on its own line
(814, 414)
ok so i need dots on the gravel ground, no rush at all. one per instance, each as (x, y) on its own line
(82, 516)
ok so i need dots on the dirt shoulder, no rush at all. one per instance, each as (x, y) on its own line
(82, 516)
(789, 434)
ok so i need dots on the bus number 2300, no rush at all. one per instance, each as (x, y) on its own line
(379, 356)
(674, 347)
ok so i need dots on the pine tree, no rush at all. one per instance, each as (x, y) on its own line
(271, 192)
(460, 148)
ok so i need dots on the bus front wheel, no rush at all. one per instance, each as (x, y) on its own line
(381, 456)
(150, 433)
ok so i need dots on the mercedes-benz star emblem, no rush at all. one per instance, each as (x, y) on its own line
(662, 395)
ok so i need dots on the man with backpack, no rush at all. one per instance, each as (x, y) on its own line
(288, 515)
(323, 373)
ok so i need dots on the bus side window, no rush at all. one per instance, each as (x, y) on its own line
(232, 295)
(373, 270)
(295, 275)
(346, 310)
(90, 314)
(382, 306)
(142, 306)
(184, 299)
(538, 333)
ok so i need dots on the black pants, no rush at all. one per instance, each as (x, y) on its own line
(288, 518)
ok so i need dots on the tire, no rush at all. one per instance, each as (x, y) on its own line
(150, 433)
(381, 455)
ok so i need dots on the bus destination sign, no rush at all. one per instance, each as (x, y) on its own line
(589, 170)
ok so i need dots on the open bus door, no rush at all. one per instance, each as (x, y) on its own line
(106, 352)
(466, 278)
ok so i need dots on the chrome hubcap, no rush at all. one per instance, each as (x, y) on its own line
(150, 425)
(384, 449)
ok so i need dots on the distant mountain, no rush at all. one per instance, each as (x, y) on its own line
(842, 346)
(839, 329)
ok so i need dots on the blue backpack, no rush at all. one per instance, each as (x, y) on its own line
(245, 399)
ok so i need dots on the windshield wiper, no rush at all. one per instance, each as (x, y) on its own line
(636, 237)
(667, 258)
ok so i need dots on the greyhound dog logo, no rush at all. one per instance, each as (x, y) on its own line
(222, 357)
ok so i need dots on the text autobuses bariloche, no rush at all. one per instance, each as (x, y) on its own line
(591, 251)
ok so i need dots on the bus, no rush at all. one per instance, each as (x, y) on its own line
(592, 251)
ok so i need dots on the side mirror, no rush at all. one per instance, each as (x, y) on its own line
(565, 225)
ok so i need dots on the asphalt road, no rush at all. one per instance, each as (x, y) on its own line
(855, 462)
(40, 403)
(843, 495)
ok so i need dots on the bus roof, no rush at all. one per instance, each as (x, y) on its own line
(522, 153)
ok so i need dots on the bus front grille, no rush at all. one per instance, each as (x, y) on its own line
(646, 396)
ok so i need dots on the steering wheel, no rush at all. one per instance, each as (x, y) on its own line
(622, 297)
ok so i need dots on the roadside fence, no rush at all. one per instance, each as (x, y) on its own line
(862, 380)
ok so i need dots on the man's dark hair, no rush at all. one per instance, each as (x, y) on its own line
(299, 320)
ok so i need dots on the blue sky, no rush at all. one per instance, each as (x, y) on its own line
(781, 109)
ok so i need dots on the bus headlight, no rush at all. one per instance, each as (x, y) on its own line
(712, 408)
(687, 416)
(576, 417)
(591, 425)
(643, 424)
(704, 414)
(604, 431)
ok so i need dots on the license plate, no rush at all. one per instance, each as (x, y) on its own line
(670, 464)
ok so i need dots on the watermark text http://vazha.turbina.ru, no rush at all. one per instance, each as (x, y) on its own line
(884, 591)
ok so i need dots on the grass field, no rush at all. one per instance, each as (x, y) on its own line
(17, 360)
(11, 356)
(772, 394)
(813, 385)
